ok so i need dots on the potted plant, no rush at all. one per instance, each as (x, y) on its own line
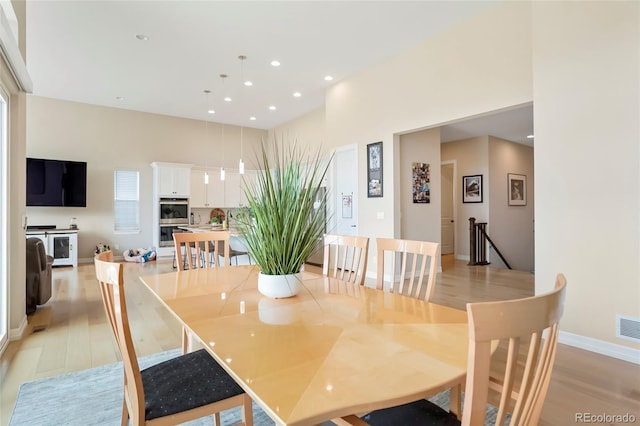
(284, 218)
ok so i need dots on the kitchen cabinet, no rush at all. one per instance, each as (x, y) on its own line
(232, 189)
(209, 195)
(173, 181)
(234, 195)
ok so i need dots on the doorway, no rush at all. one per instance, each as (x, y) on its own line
(448, 207)
(345, 191)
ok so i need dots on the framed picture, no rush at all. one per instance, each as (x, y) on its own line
(421, 183)
(374, 170)
(517, 189)
(472, 189)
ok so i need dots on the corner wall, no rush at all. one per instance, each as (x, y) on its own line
(420, 221)
(587, 163)
(511, 227)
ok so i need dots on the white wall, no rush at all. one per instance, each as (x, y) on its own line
(309, 129)
(587, 160)
(110, 138)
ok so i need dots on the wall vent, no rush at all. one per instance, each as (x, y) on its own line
(628, 328)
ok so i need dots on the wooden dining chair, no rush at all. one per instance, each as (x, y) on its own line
(345, 257)
(530, 328)
(171, 392)
(198, 252)
(414, 257)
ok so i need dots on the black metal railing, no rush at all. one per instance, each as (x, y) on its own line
(478, 239)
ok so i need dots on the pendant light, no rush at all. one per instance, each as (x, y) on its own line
(241, 163)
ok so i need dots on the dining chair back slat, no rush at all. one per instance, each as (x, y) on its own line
(414, 257)
(202, 249)
(345, 257)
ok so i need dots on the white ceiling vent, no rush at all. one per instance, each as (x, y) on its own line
(628, 328)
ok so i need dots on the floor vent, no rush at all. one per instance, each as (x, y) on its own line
(628, 328)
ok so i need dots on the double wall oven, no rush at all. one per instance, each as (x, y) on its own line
(174, 213)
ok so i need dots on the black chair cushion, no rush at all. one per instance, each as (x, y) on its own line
(420, 412)
(186, 382)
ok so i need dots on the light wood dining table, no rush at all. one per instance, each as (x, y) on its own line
(334, 349)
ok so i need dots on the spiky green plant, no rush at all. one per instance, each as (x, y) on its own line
(282, 224)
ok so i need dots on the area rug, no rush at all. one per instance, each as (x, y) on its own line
(94, 397)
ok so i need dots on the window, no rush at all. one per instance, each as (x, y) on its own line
(126, 201)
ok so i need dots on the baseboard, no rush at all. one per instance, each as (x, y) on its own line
(86, 260)
(17, 333)
(613, 350)
(464, 257)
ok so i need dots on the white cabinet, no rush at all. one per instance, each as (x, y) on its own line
(206, 195)
(224, 194)
(62, 245)
(173, 181)
(249, 181)
(232, 189)
(198, 192)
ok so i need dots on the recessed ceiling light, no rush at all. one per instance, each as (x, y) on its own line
(275, 63)
(272, 107)
(227, 99)
(211, 111)
(252, 118)
(248, 83)
(142, 37)
(530, 137)
(297, 94)
(328, 78)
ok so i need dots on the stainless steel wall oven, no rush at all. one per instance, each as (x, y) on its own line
(174, 212)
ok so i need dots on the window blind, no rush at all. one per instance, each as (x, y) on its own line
(126, 201)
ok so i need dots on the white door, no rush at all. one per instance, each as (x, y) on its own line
(345, 191)
(447, 208)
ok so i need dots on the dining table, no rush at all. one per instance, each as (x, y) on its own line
(334, 349)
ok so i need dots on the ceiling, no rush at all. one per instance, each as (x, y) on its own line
(88, 51)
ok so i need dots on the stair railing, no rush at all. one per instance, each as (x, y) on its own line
(478, 239)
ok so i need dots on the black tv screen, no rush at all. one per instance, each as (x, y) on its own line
(56, 183)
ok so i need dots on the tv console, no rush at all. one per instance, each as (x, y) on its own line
(39, 227)
(61, 244)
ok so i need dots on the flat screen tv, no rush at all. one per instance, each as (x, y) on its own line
(56, 183)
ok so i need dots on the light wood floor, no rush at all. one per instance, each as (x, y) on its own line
(70, 333)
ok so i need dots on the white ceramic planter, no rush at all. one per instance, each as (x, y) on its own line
(279, 286)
